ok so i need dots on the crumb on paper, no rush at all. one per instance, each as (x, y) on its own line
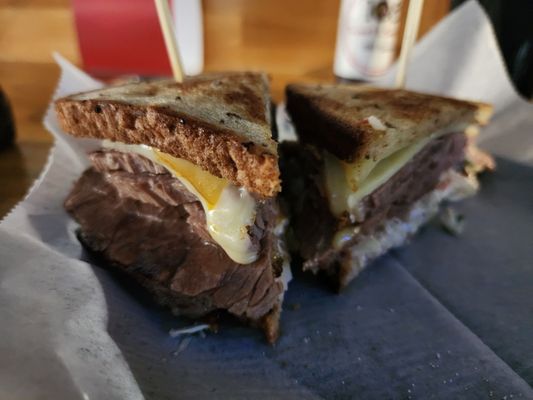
(188, 331)
(452, 221)
(183, 345)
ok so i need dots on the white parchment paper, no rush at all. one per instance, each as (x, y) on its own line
(53, 311)
(55, 308)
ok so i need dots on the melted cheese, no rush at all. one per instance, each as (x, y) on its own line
(208, 186)
(229, 210)
(347, 184)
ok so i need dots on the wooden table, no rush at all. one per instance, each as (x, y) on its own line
(291, 39)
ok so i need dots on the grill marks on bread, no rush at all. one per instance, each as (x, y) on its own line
(336, 117)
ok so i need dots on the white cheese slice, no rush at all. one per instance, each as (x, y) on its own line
(229, 210)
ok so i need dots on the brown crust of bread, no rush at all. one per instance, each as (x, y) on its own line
(220, 152)
(270, 323)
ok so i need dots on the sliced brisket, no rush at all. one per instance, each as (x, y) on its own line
(144, 222)
(314, 226)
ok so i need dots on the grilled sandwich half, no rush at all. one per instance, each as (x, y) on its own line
(182, 195)
(371, 166)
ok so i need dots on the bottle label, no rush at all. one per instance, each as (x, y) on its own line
(366, 38)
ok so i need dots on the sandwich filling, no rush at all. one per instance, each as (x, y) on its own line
(398, 195)
(395, 231)
(230, 211)
(347, 184)
(146, 223)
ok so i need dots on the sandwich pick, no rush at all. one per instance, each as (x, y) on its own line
(182, 194)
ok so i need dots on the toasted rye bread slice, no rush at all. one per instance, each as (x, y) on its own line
(218, 121)
(355, 122)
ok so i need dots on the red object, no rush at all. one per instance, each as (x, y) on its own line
(119, 37)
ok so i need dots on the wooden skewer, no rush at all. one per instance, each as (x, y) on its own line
(165, 21)
(410, 32)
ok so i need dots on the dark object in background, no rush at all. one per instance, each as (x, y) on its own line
(514, 30)
(7, 122)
